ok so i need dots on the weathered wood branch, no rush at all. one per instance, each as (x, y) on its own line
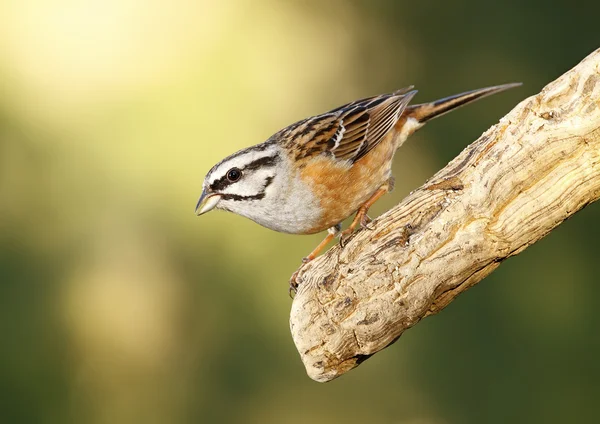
(523, 177)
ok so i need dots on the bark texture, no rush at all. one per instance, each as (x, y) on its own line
(523, 177)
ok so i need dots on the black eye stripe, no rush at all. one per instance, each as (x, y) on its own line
(265, 161)
(237, 197)
(262, 162)
(220, 184)
(259, 196)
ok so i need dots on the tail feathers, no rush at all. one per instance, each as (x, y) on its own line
(426, 111)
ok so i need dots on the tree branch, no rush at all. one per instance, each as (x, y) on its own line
(523, 177)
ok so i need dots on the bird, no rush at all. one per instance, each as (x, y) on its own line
(315, 173)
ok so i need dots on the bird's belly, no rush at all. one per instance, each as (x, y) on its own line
(342, 188)
(291, 220)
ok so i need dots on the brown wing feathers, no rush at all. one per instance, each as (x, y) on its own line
(356, 126)
(348, 132)
(353, 130)
(383, 113)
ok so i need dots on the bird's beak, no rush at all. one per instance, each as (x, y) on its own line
(208, 201)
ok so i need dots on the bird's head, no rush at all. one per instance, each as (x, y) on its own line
(240, 183)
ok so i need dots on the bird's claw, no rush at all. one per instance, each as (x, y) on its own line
(366, 222)
(293, 289)
(345, 237)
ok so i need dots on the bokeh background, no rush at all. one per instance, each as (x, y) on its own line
(118, 305)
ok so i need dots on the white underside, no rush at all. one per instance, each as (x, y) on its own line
(410, 126)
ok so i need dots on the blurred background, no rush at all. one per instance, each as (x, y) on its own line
(119, 305)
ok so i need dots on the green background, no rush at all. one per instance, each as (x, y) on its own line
(118, 305)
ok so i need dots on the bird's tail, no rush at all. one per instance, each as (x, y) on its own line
(426, 111)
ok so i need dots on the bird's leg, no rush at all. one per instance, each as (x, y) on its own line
(361, 215)
(365, 222)
(331, 233)
(361, 218)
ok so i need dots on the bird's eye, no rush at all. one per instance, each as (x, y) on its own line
(234, 174)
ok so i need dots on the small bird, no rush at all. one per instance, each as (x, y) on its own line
(313, 174)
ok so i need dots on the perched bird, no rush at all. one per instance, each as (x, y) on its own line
(315, 173)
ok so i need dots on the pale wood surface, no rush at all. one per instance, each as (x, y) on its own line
(524, 176)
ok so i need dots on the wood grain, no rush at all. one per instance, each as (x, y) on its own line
(523, 177)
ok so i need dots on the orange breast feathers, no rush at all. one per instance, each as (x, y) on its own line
(342, 187)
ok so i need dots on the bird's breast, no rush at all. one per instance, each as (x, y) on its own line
(341, 187)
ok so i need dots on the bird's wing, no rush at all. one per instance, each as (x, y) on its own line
(348, 132)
